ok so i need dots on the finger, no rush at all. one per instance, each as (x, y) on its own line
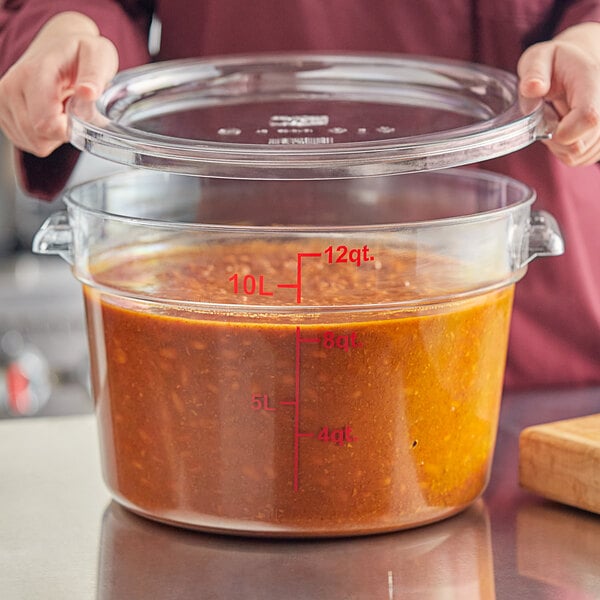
(29, 139)
(44, 122)
(561, 106)
(44, 110)
(31, 104)
(584, 152)
(581, 94)
(97, 63)
(578, 123)
(21, 139)
(17, 123)
(535, 70)
(11, 105)
(592, 156)
(581, 120)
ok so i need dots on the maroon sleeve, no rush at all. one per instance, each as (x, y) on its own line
(580, 12)
(124, 23)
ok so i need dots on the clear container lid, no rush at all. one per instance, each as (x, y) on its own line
(306, 116)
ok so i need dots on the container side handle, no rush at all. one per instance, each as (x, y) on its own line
(545, 238)
(55, 237)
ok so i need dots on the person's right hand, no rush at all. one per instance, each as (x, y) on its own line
(566, 72)
(67, 57)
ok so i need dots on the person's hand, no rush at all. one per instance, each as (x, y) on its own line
(68, 56)
(566, 72)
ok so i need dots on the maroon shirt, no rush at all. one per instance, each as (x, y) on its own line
(555, 337)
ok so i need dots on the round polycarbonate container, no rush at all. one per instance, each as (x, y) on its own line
(296, 328)
(298, 357)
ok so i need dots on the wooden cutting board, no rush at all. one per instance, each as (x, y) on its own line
(561, 461)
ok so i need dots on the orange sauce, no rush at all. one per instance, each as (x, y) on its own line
(308, 423)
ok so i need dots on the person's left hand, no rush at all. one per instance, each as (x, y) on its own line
(566, 72)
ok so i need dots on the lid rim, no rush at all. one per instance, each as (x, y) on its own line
(92, 130)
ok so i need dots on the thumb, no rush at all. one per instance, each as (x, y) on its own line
(535, 70)
(97, 64)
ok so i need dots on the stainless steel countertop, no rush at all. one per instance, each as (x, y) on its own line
(61, 537)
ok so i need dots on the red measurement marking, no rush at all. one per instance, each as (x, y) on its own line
(261, 402)
(310, 340)
(345, 254)
(298, 284)
(297, 411)
(296, 404)
(249, 285)
(339, 437)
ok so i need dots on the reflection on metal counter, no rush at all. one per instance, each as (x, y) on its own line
(559, 545)
(451, 559)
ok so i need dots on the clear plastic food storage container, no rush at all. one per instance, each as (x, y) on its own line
(308, 337)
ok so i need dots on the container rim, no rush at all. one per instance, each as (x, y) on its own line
(528, 197)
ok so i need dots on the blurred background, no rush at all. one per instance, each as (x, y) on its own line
(43, 345)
